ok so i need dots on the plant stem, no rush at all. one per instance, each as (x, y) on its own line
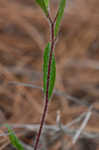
(41, 124)
(48, 78)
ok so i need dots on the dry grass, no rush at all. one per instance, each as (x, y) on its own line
(24, 32)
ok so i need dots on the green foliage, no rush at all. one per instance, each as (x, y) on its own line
(44, 5)
(59, 16)
(55, 24)
(52, 71)
(14, 140)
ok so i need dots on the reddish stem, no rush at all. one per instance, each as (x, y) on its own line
(41, 124)
(48, 77)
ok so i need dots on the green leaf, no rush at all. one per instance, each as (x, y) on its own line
(14, 140)
(52, 71)
(59, 16)
(44, 5)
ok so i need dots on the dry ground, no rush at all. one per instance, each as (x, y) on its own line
(24, 32)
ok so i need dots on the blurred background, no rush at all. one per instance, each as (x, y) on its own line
(24, 32)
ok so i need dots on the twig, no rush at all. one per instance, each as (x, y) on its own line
(78, 119)
(58, 121)
(58, 93)
(26, 147)
(25, 85)
(88, 115)
(66, 130)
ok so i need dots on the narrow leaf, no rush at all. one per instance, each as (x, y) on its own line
(44, 5)
(14, 140)
(59, 16)
(52, 71)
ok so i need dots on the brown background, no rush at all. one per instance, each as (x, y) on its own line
(24, 32)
